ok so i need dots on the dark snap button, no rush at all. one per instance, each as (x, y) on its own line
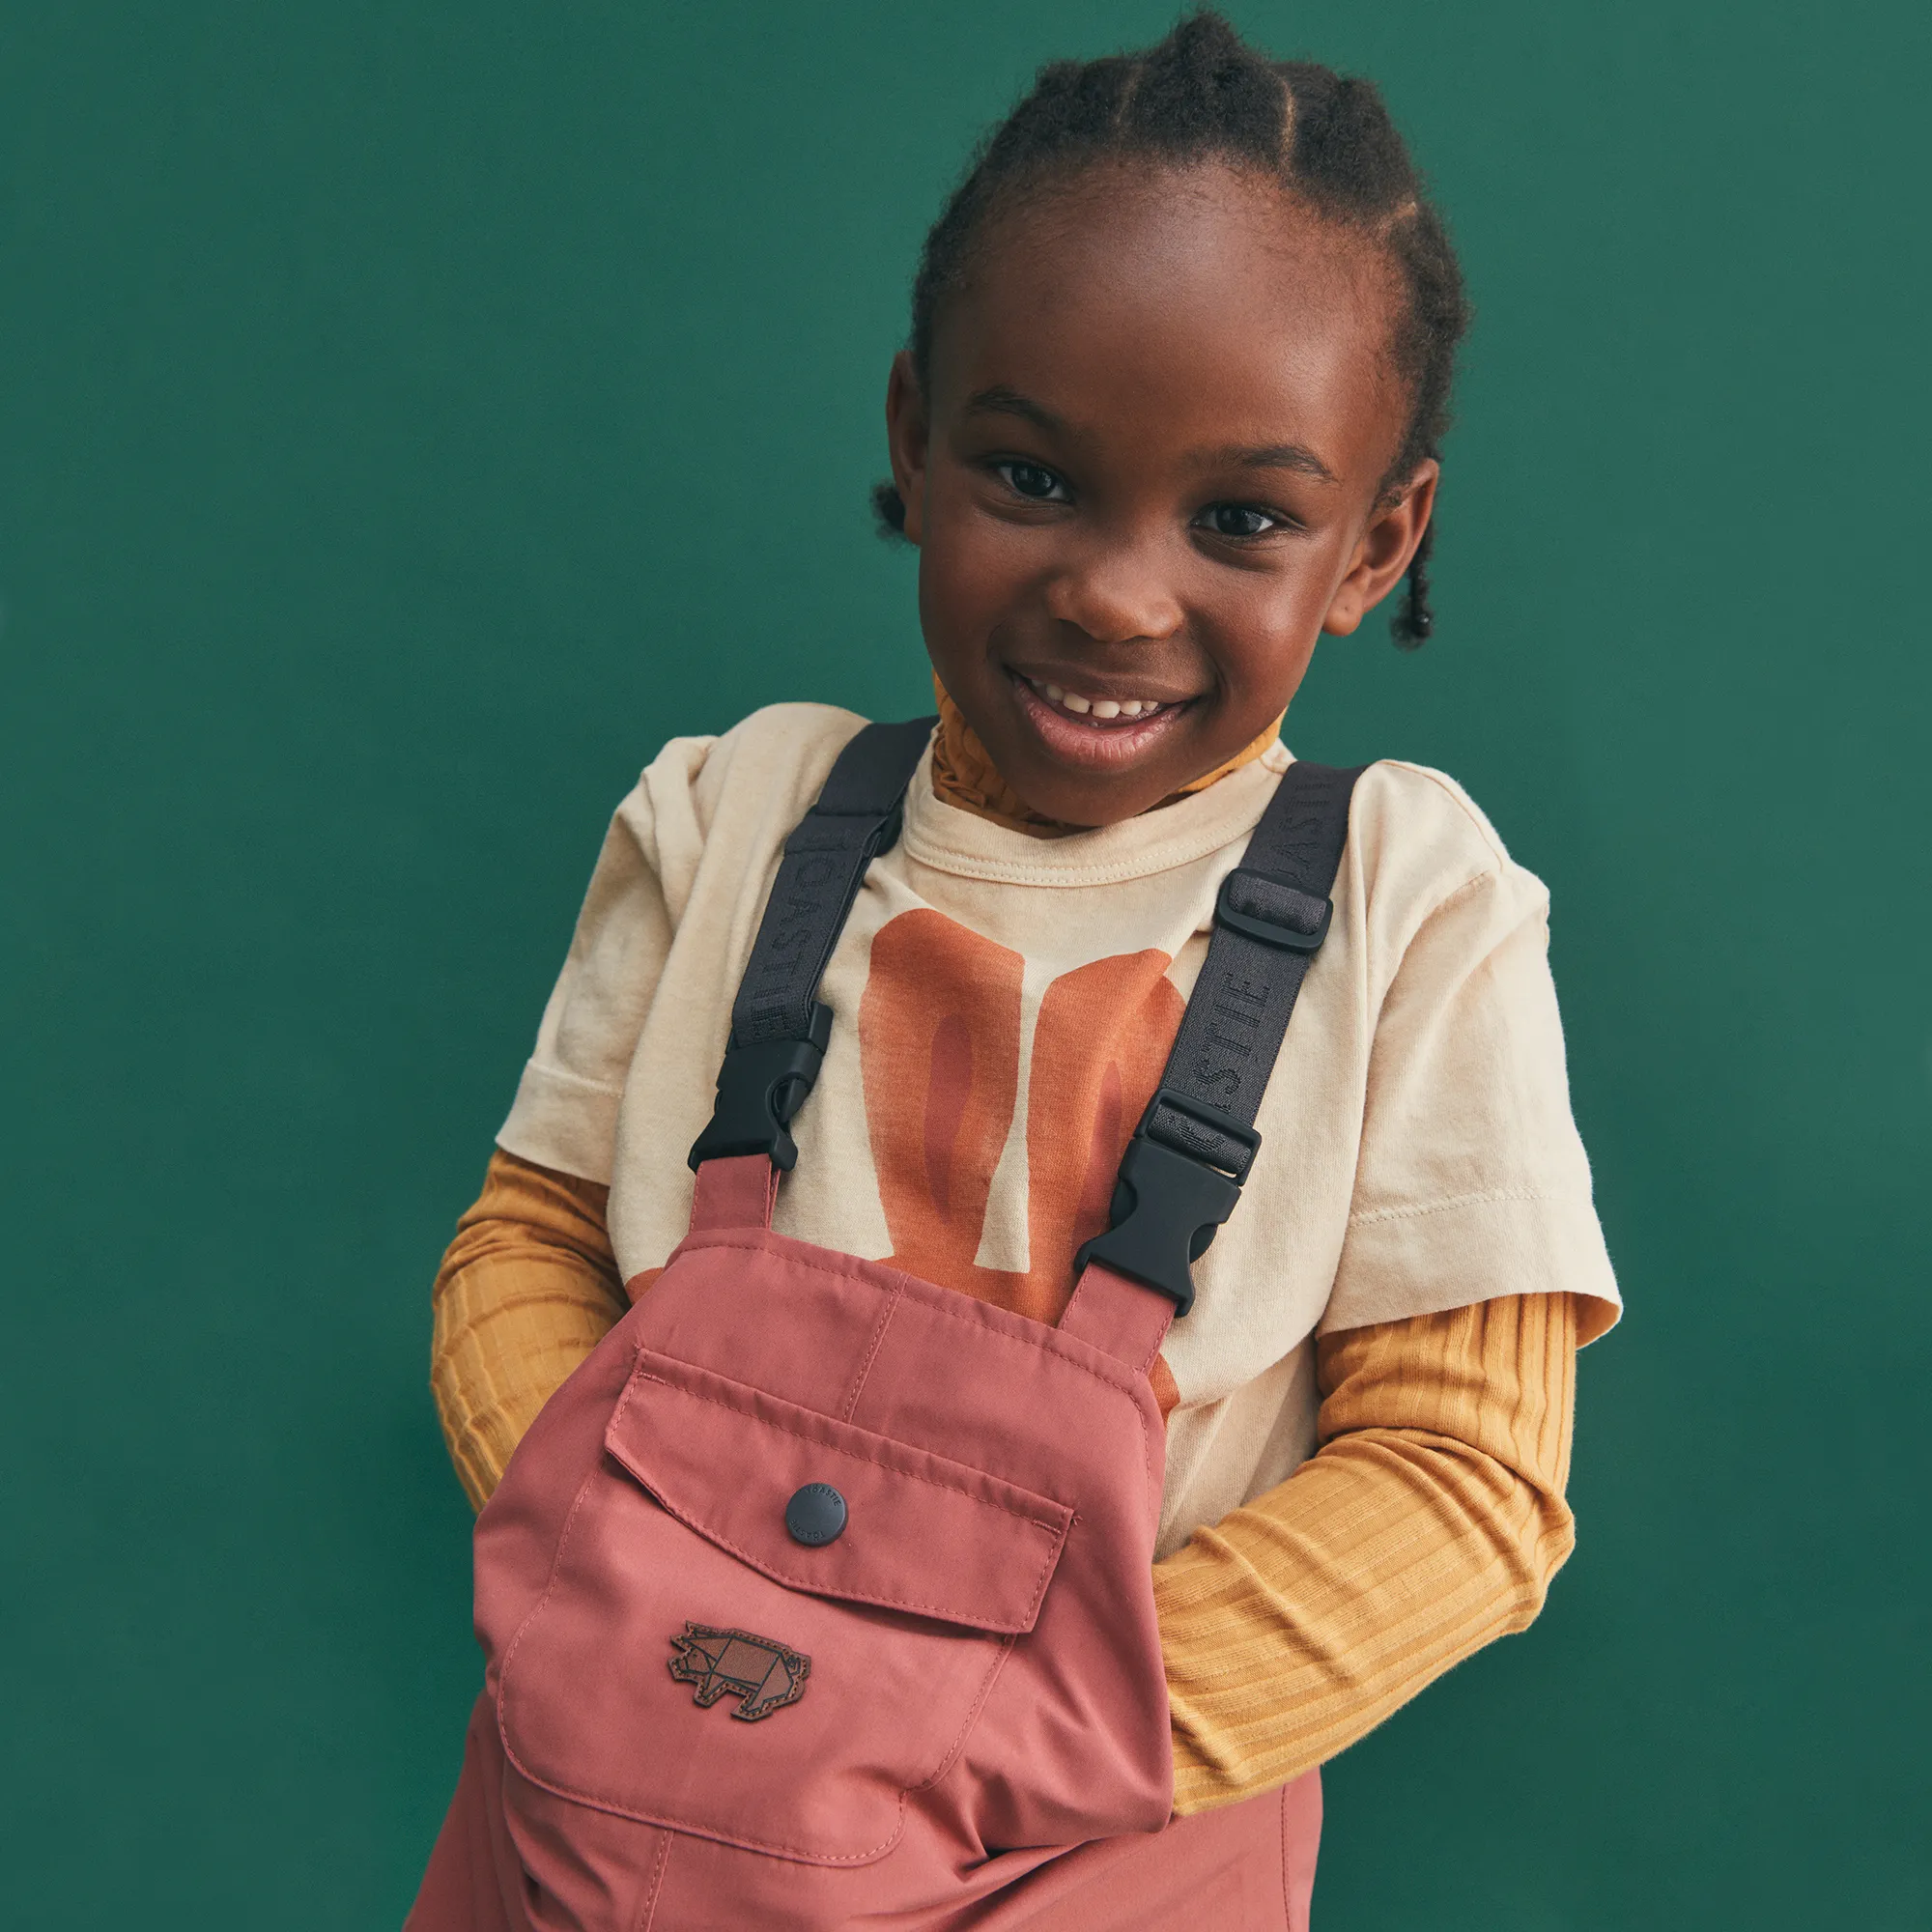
(816, 1515)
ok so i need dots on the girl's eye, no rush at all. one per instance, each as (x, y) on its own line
(1034, 480)
(1238, 520)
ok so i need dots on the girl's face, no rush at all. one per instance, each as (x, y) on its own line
(1148, 476)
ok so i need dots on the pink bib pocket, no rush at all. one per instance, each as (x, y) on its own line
(681, 1601)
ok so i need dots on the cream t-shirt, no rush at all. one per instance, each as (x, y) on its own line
(1004, 1004)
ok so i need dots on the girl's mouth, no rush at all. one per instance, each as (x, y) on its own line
(1096, 733)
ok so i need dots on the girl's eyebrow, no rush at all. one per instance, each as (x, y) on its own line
(1295, 456)
(1001, 401)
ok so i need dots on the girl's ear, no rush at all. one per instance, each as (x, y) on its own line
(1383, 552)
(906, 436)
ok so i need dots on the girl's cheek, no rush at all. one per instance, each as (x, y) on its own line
(956, 611)
(1262, 642)
(970, 576)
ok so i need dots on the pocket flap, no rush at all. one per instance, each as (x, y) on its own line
(923, 1535)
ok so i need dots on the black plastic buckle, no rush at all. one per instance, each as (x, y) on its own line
(1169, 1202)
(1271, 932)
(760, 1086)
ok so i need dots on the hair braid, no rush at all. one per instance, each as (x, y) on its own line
(1203, 94)
(1412, 623)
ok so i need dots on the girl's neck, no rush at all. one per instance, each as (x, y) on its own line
(964, 775)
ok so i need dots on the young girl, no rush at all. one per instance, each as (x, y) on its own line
(1038, 1610)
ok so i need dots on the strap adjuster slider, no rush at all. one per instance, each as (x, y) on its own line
(1270, 909)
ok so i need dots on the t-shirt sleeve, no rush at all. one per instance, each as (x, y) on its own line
(1472, 1182)
(565, 1112)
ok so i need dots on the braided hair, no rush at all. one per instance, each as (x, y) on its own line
(1203, 94)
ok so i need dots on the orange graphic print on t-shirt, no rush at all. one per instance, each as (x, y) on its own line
(941, 1040)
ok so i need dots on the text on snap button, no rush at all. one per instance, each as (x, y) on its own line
(816, 1515)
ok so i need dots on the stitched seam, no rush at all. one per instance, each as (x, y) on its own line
(805, 1581)
(549, 1582)
(854, 1454)
(764, 1222)
(549, 1590)
(1456, 893)
(1114, 1386)
(1460, 804)
(717, 1834)
(871, 1354)
(1012, 874)
(1281, 1842)
(1107, 1382)
(972, 1717)
(648, 1911)
(1442, 904)
(1371, 1217)
(1073, 1301)
(550, 1070)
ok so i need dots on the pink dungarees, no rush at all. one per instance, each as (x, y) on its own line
(820, 1596)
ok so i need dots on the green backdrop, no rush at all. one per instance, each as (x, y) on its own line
(411, 415)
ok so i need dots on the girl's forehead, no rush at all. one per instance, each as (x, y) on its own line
(1206, 303)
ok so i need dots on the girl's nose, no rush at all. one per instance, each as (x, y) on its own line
(1115, 594)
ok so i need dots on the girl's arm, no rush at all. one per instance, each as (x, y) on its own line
(526, 1289)
(1429, 1523)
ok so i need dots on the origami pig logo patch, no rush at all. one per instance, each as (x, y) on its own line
(762, 1675)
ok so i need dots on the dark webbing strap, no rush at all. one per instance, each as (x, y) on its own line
(856, 818)
(1272, 918)
(1183, 1171)
(778, 1030)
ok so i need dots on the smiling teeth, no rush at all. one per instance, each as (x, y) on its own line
(1098, 707)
